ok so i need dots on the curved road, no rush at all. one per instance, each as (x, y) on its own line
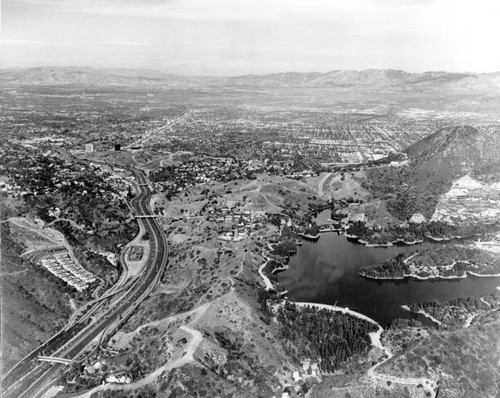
(44, 375)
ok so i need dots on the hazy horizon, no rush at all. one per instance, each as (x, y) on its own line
(229, 38)
(153, 70)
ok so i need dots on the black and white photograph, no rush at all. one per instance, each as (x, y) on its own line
(249, 199)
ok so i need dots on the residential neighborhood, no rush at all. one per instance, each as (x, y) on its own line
(61, 265)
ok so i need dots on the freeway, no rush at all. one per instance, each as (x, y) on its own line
(42, 376)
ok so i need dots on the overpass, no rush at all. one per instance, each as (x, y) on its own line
(33, 382)
(145, 216)
(64, 361)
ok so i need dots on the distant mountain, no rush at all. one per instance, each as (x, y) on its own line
(481, 82)
(383, 78)
(369, 78)
(287, 79)
(347, 78)
(87, 76)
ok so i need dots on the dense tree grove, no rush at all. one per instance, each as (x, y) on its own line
(174, 179)
(287, 233)
(393, 268)
(274, 219)
(85, 195)
(285, 248)
(453, 314)
(312, 230)
(470, 303)
(321, 334)
(358, 228)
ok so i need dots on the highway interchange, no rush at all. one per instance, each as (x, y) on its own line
(38, 380)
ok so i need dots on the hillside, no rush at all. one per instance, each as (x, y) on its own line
(434, 164)
(465, 360)
(464, 363)
(455, 152)
(34, 304)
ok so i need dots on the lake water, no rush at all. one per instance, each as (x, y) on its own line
(326, 272)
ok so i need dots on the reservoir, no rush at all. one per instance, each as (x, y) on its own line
(326, 272)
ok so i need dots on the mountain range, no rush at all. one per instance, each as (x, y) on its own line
(376, 78)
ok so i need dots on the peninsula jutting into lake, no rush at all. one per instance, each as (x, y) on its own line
(328, 271)
(444, 262)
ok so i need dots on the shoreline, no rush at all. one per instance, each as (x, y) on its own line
(312, 237)
(382, 278)
(346, 310)
(280, 269)
(424, 313)
(330, 230)
(424, 278)
(415, 242)
(334, 308)
(368, 244)
(483, 275)
(390, 243)
(451, 238)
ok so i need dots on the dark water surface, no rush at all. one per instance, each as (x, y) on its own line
(326, 272)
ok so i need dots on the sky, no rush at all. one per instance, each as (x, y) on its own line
(233, 37)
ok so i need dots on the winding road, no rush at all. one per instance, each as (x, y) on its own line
(322, 183)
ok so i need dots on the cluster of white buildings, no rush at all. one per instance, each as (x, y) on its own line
(64, 268)
(417, 270)
(35, 142)
(233, 236)
(243, 223)
(118, 379)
